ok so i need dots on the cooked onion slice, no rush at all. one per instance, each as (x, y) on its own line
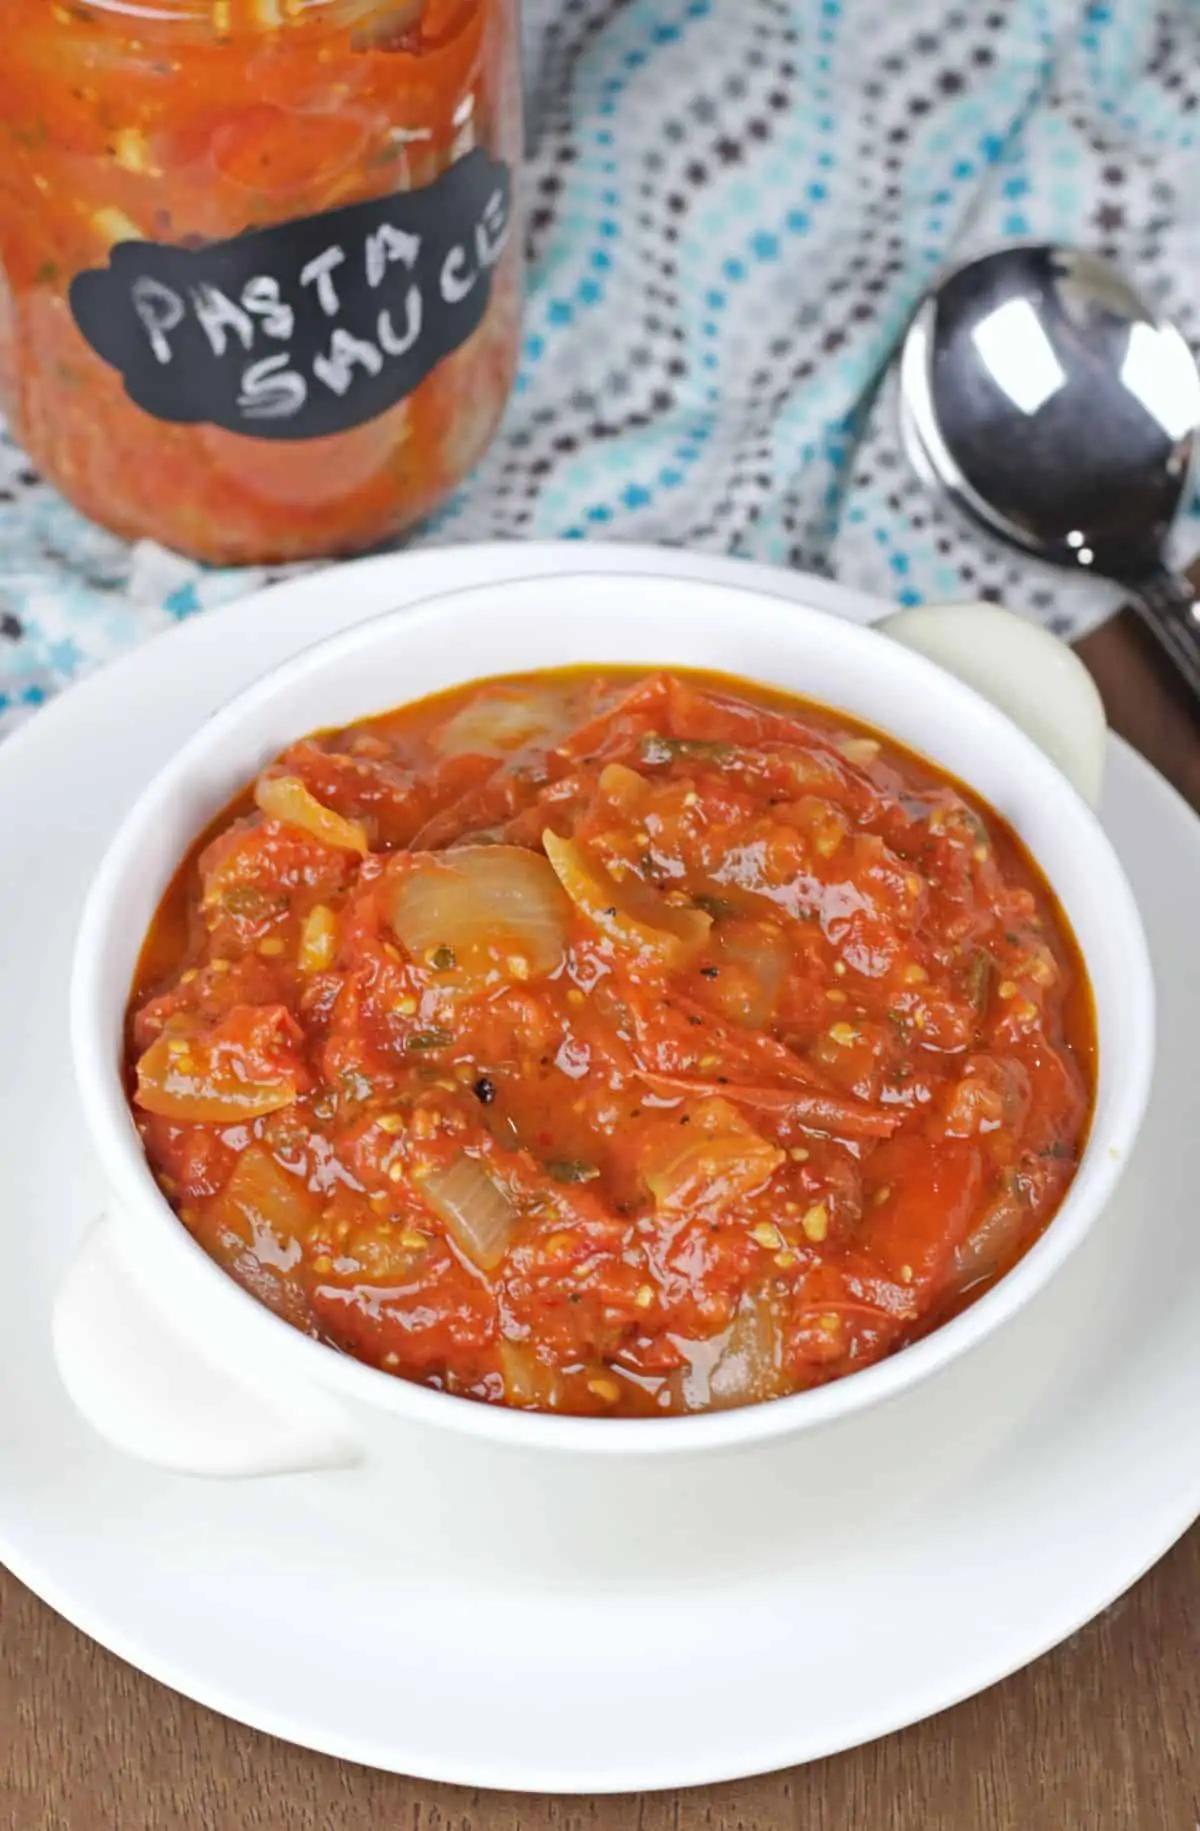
(630, 914)
(751, 1365)
(247, 1065)
(286, 798)
(498, 911)
(754, 960)
(502, 720)
(477, 1212)
(710, 1163)
(528, 1381)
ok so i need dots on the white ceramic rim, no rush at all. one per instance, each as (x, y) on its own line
(96, 1054)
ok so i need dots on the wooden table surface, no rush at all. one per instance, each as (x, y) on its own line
(1101, 1735)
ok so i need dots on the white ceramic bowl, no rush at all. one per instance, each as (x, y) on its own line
(174, 1362)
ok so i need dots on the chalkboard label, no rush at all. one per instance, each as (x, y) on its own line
(309, 327)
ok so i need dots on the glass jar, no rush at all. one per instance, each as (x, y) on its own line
(259, 274)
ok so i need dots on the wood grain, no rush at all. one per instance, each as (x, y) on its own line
(1101, 1735)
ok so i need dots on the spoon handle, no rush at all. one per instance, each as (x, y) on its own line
(1167, 606)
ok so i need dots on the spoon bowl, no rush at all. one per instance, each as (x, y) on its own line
(1042, 395)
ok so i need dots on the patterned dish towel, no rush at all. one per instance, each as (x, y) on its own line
(733, 207)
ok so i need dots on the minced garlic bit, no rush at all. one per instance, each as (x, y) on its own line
(391, 1123)
(271, 947)
(881, 1194)
(913, 885)
(914, 974)
(318, 940)
(193, 972)
(1007, 988)
(322, 1263)
(608, 1390)
(412, 1241)
(798, 1154)
(405, 1007)
(980, 854)
(644, 1297)
(767, 1235)
(844, 1035)
(906, 1274)
(518, 966)
(785, 1260)
(575, 996)
(835, 997)
(839, 967)
(396, 1173)
(816, 1223)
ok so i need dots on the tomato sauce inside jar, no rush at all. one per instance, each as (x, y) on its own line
(259, 281)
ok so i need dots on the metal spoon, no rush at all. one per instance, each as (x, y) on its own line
(1046, 399)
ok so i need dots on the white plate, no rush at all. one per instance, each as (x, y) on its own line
(996, 1512)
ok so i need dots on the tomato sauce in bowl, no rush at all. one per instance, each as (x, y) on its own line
(612, 1043)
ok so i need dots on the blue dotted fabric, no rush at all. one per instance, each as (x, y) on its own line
(733, 207)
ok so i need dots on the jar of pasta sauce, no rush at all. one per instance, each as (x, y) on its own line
(259, 274)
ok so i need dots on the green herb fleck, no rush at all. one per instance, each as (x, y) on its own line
(570, 1171)
(978, 979)
(429, 1039)
(718, 907)
(658, 749)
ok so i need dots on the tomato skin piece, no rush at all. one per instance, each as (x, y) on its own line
(935, 1187)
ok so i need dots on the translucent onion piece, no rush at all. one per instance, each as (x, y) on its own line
(272, 1210)
(751, 1366)
(498, 909)
(501, 720)
(528, 1382)
(477, 1213)
(753, 962)
(188, 1079)
(709, 1163)
(631, 915)
(286, 798)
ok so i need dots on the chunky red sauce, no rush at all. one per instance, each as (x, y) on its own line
(611, 1044)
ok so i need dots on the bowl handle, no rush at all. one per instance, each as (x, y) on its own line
(1024, 671)
(146, 1388)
